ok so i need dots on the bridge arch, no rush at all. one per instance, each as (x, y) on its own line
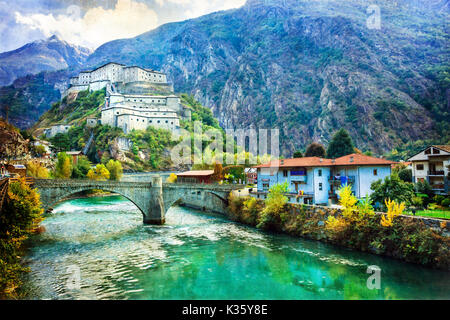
(142, 194)
(66, 195)
(199, 198)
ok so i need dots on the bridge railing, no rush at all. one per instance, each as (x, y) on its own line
(68, 182)
(205, 185)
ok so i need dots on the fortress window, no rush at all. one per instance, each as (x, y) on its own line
(159, 121)
(117, 112)
(167, 121)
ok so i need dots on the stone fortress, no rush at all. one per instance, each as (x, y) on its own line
(136, 98)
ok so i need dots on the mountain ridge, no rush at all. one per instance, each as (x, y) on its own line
(51, 54)
(308, 68)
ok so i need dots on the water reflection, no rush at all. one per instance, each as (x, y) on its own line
(196, 256)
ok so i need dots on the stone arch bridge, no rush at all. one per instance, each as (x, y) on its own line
(152, 198)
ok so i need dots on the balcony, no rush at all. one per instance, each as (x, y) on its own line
(436, 173)
(336, 180)
(437, 187)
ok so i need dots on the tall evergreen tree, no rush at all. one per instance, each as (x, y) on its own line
(315, 150)
(340, 145)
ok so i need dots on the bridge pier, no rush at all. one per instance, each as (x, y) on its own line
(156, 211)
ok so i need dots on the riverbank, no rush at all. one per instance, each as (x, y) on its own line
(419, 240)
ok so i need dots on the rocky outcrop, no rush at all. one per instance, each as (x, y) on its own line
(12, 144)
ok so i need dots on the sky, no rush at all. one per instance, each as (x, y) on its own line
(91, 23)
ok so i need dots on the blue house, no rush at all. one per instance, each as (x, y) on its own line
(314, 180)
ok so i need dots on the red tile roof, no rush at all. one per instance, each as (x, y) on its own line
(348, 160)
(196, 173)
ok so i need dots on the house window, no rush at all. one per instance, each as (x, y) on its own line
(320, 172)
(320, 186)
(285, 173)
(375, 172)
(435, 151)
(419, 167)
(265, 187)
(428, 151)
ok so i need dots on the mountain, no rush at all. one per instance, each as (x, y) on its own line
(310, 68)
(43, 55)
(29, 97)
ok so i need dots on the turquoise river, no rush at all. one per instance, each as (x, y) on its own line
(201, 256)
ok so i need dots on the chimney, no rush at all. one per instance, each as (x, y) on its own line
(321, 160)
(351, 158)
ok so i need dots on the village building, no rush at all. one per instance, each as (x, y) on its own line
(252, 175)
(195, 176)
(432, 165)
(314, 180)
(54, 130)
(16, 169)
(75, 156)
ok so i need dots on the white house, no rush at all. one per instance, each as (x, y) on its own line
(315, 180)
(432, 165)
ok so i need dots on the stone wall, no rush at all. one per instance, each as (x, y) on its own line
(322, 212)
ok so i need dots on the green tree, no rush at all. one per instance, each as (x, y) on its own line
(393, 188)
(341, 144)
(63, 167)
(405, 175)
(81, 169)
(115, 169)
(60, 142)
(298, 154)
(20, 215)
(315, 150)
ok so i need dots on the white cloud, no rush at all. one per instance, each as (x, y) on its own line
(196, 8)
(128, 19)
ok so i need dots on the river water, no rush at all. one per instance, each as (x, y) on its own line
(201, 256)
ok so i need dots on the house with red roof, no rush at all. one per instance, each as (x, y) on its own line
(314, 180)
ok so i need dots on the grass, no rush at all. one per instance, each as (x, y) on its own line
(442, 214)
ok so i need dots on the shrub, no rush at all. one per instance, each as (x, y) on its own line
(274, 206)
(445, 202)
(438, 198)
(172, 178)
